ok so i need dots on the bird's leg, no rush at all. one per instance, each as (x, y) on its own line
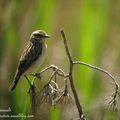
(34, 75)
(28, 80)
(37, 75)
(32, 86)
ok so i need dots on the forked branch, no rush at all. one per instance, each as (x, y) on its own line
(79, 107)
(52, 92)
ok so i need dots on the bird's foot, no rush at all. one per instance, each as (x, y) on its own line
(38, 75)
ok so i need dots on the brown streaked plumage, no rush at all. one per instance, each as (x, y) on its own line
(32, 55)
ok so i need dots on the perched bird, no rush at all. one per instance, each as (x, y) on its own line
(32, 56)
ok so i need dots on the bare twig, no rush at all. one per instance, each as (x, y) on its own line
(97, 68)
(60, 72)
(52, 76)
(116, 92)
(79, 107)
(66, 46)
(33, 99)
(32, 93)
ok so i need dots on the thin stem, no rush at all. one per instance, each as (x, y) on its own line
(79, 107)
(66, 46)
(97, 68)
(60, 72)
(52, 76)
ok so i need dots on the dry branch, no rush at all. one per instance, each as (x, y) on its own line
(51, 92)
(79, 107)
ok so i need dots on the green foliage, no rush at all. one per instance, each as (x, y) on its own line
(55, 114)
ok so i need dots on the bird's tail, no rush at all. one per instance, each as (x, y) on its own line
(15, 81)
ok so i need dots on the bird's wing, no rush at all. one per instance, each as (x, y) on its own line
(29, 56)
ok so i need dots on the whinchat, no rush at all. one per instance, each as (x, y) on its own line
(32, 56)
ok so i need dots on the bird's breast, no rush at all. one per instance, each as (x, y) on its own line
(39, 61)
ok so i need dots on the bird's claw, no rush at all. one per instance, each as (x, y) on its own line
(38, 75)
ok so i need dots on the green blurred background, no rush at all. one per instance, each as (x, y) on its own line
(92, 28)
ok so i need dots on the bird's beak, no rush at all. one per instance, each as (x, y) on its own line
(47, 36)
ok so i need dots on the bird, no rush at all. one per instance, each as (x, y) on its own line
(32, 57)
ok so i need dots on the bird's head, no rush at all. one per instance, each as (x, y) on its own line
(38, 36)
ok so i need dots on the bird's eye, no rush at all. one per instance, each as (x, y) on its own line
(37, 35)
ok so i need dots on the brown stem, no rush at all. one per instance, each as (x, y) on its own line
(97, 68)
(79, 107)
(66, 47)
